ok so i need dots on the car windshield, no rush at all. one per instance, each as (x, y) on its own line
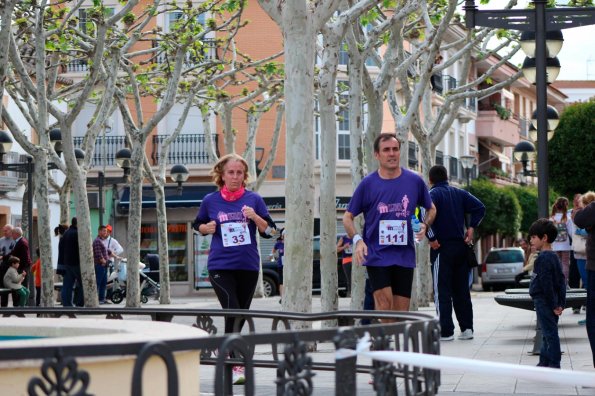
(505, 256)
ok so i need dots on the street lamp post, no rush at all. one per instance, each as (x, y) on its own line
(467, 162)
(543, 22)
(123, 161)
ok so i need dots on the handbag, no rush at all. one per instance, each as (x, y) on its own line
(579, 244)
(471, 257)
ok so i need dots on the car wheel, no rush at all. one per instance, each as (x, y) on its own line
(269, 287)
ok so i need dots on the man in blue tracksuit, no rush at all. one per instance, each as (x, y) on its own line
(448, 240)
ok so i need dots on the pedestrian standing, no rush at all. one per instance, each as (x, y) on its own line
(561, 246)
(387, 198)
(585, 218)
(449, 240)
(68, 249)
(344, 248)
(6, 245)
(232, 216)
(548, 291)
(101, 258)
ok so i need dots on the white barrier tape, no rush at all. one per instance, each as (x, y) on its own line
(437, 362)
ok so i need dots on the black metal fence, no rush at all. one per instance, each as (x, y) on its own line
(414, 332)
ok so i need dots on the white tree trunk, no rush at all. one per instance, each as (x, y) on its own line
(358, 162)
(328, 166)
(134, 220)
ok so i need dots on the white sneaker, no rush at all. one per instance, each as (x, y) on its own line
(237, 375)
(466, 335)
(447, 338)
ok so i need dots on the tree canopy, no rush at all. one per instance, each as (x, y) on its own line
(571, 150)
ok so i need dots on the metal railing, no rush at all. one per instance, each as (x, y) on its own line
(412, 332)
(185, 149)
(105, 149)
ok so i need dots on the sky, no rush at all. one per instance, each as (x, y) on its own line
(577, 56)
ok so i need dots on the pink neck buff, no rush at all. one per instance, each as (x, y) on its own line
(231, 196)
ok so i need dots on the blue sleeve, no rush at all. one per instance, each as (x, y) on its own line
(203, 214)
(474, 207)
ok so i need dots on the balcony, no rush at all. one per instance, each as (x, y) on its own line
(185, 149)
(10, 180)
(105, 149)
(209, 54)
(491, 126)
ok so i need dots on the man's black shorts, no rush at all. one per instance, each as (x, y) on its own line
(400, 279)
(280, 273)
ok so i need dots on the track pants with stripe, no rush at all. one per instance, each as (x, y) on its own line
(452, 281)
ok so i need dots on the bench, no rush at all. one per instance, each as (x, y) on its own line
(520, 298)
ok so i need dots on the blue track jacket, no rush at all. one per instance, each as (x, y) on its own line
(452, 204)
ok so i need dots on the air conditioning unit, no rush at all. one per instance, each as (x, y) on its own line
(93, 198)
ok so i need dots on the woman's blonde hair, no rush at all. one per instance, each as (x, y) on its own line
(218, 168)
(588, 197)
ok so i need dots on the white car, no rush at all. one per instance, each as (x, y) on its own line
(500, 267)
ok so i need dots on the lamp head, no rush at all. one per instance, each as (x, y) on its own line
(123, 159)
(56, 140)
(467, 161)
(5, 143)
(79, 154)
(553, 118)
(179, 173)
(524, 152)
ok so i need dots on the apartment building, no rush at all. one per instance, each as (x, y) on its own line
(486, 127)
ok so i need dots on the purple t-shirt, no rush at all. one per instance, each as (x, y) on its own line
(387, 206)
(241, 251)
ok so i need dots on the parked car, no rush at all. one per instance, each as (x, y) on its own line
(500, 267)
(270, 278)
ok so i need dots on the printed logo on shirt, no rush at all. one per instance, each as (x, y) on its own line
(232, 216)
(400, 209)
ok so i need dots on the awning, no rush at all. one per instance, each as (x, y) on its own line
(191, 197)
(503, 158)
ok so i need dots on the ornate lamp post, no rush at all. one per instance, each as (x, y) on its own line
(467, 162)
(122, 160)
(541, 41)
(524, 152)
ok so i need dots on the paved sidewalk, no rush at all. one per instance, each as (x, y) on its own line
(502, 334)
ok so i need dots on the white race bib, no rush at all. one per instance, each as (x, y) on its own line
(235, 234)
(392, 232)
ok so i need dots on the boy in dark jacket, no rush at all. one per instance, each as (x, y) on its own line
(548, 290)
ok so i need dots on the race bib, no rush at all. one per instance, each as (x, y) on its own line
(392, 232)
(235, 234)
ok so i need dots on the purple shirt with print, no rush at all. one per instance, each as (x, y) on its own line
(389, 199)
(214, 207)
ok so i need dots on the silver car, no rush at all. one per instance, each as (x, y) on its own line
(500, 267)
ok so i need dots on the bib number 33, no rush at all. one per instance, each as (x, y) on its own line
(235, 234)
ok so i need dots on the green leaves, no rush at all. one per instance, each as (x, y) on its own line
(571, 150)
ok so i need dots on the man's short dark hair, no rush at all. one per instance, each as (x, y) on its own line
(383, 137)
(438, 174)
(543, 227)
(101, 227)
(73, 222)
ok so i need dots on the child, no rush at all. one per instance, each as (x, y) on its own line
(36, 271)
(13, 280)
(548, 290)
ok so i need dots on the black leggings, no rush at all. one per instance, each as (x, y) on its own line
(234, 289)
